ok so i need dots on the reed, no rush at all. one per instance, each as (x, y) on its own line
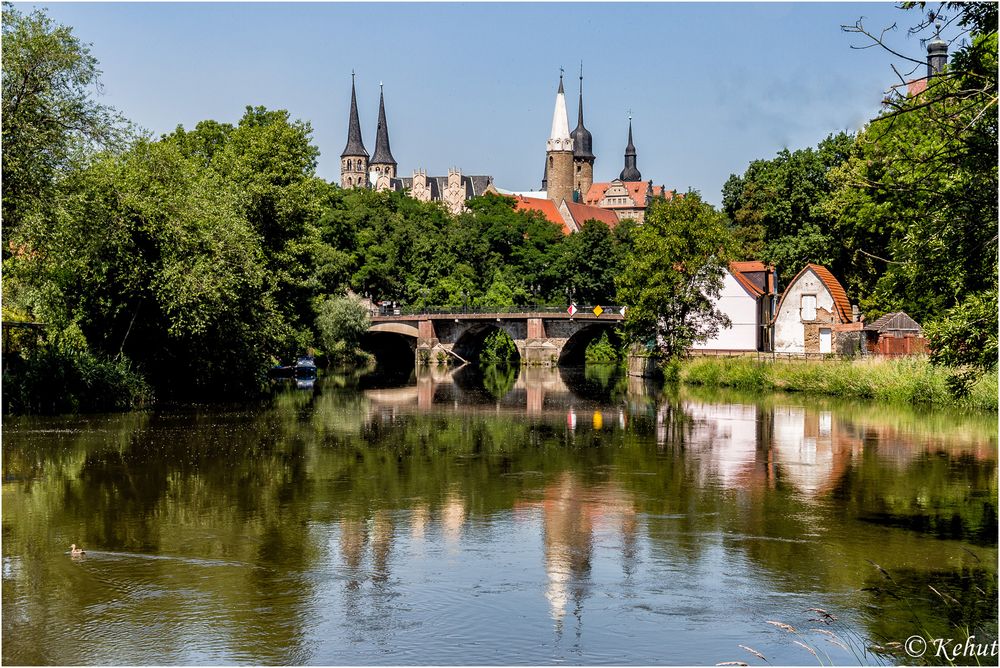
(910, 381)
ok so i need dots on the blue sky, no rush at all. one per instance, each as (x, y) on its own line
(711, 86)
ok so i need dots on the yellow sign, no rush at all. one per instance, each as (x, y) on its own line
(598, 311)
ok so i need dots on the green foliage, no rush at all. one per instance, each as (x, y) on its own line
(588, 263)
(498, 348)
(915, 205)
(966, 334)
(341, 322)
(777, 207)
(48, 112)
(672, 279)
(498, 379)
(602, 350)
(909, 381)
(63, 376)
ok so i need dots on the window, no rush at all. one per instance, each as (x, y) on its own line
(808, 307)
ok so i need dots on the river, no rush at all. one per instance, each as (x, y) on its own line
(502, 517)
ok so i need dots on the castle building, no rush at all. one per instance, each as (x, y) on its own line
(379, 172)
(559, 153)
(583, 153)
(382, 162)
(628, 196)
(568, 176)
(354, 159)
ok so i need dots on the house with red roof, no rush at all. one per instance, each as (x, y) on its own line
(815, 316)
(627, 199)
(748, 296)
(570, 216)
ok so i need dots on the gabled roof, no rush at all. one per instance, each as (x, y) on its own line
(898, 321)
(581, 213)
(840, 301)
(544, 206)
(637, 190)
(749, 265)
(747, 284)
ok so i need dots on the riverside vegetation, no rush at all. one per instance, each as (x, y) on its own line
(184, 266)
(909, 381)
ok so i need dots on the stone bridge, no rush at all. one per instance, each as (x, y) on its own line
(543, 338)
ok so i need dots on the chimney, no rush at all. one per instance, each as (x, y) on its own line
(854, 312)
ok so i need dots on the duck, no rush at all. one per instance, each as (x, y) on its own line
(75, 551)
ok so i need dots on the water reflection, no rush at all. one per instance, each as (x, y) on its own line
(530, 516)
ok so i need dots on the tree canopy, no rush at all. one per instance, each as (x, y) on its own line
(672, 280)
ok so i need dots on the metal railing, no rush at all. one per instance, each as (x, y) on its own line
(583, 310)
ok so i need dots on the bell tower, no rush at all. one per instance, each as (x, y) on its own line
(583, 153)
(559, 152)
(382, 160)
(354, 159)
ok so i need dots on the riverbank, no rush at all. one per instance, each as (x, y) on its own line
(912, 380)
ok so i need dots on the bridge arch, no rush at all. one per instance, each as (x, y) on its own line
(400, 328)
(392, 349)
(575, 349)
(469, 345)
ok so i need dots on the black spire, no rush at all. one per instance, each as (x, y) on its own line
(355, 146)
(545, 175)
(583, 142)
(631, 172)
(382, 156)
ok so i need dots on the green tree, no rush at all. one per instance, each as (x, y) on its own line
(915, 206)
(588, 264)
(777, 207)
(49, 115)
(674, 276)
(341, 322)
(150, 258)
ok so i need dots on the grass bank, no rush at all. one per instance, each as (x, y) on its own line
(911, 380)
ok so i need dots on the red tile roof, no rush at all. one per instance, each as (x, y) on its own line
(916, 87)
(582, 213)
(840, 301)
(752, 265)
(636, 189)
(545, 206)
(737, 272)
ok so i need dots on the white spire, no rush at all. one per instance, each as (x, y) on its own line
(559, 139)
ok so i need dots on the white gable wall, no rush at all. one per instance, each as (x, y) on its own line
(789, 332)
(741, 308)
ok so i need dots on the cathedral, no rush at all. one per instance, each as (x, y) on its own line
(568, 196)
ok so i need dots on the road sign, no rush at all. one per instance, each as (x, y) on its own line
(623, 310)
(571, 310)
(598, 310)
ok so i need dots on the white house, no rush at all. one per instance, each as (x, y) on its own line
(747, 297)
(815, 316)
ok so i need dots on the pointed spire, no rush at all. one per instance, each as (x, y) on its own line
(583, 142)
(355, 146)
(382, 155)
(559, 139)
(631, 172)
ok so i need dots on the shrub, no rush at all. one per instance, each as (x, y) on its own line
(55, 379)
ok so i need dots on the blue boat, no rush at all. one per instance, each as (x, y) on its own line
(305, 367)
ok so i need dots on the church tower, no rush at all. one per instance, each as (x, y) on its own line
(354, 159)
(559, 152)
(631, 172)
(382, 161)
(583, 153)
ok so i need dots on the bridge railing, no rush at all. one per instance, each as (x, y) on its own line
(440, 310)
